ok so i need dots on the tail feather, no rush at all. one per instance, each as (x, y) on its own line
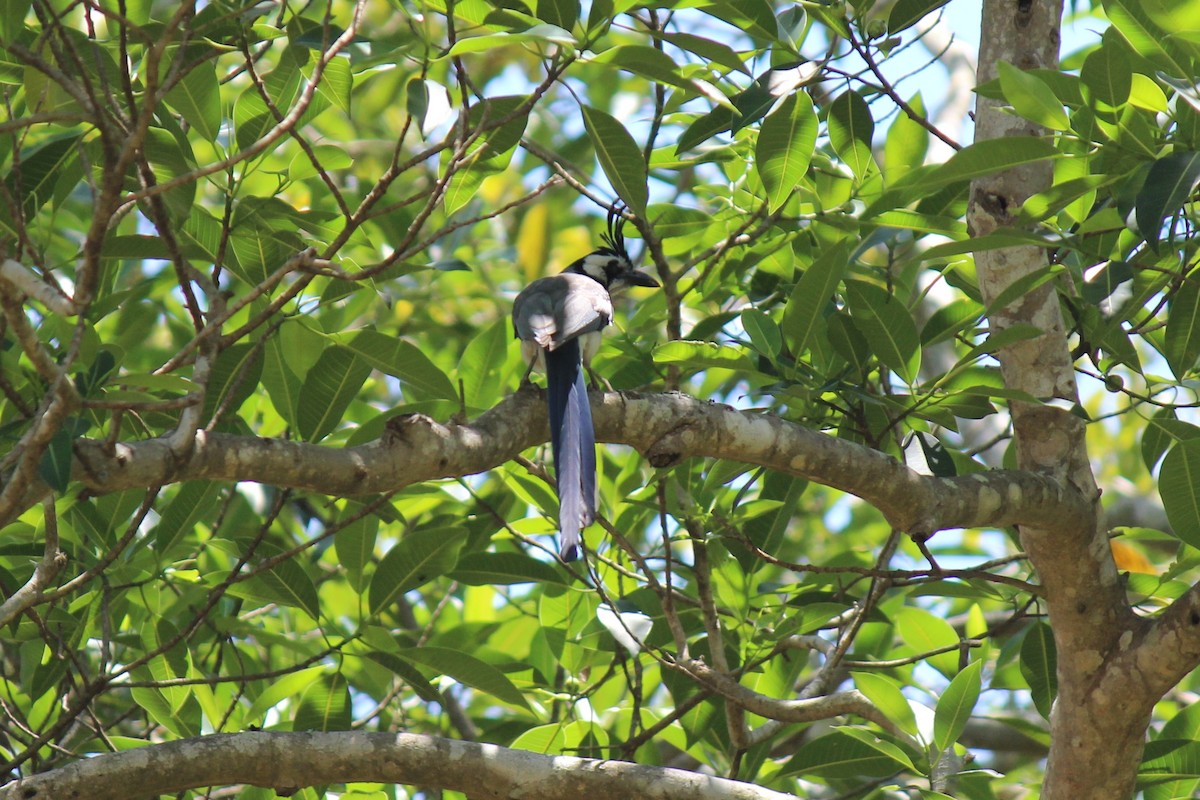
(573, 440)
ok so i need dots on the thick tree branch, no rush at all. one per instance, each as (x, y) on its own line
(666, 428)
(288, 761)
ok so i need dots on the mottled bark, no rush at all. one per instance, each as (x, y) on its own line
(1099, 719)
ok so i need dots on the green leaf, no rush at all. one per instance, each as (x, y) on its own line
(538, 34)
(41, 167)
(355, 542)
(984, 158)
(1182, 339)
(55, 466)
(702, 355)
(1039, 664)
(1170, 759)
(884, 692)
(286, 584)
(851, 129)
(785, 146)
(907, 13)
(949, 320)
(328, 389)
(409, 674)
(1179, 487)
(235, 374)
(753, 17)
(763, 332)
(192, 502)
(281, 383)
(481, 363)
(619, 157)
(416, 559)
(280, 689)
(251, 116)
(1162, 431)
(197, 98)
(467, 670)
(709, 50)
(1168, 185)
(1032, 98)
(906, 144)
(337, 81)
(649, 62)
(400, 359)
(955, 705)
(839, 755)
(925, 632)
(503, 569)
(888, 326)
(325, 705)
(806, 306)
(1106, 76)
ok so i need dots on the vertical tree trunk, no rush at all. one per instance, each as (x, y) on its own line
(1099, 718)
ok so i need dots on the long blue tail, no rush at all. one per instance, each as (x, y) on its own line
(573, 440)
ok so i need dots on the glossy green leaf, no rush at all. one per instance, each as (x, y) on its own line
(419, 557)
(539, 34)
(1179, 487)
(1106, 76)
(1039, 665)
(503, 569)
(325, 705)
(281, 383)
(1032, 98)
(328, 390)
(906, 13)
(763, 332)
(1162, 431)
(924, 632)
(955, 706)
(839, 755)
(1170, 759)
(467, 670)
(701, 355)
(985, 158)
(906, 144)
(710, 50)
(813, 292)
(1182, 338)
(885, 693)
(785, 146)
(397, 357)
(620, 158)
(851, 131)
(888, 326)
(648, 62)
(286, 583)
(235, 375)
(480, 368)
(355, 542)
(1170, 182)
(197, 98)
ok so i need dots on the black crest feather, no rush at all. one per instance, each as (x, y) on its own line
(615, 237)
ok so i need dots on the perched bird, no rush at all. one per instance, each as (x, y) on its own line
(558, 320)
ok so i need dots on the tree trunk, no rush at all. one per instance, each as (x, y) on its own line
(1101, 713)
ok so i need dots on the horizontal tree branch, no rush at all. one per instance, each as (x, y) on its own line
(288, 761)
(665, 428)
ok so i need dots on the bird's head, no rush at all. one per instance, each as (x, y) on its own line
(611, 265)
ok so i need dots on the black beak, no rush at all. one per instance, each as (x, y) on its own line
(638, 278)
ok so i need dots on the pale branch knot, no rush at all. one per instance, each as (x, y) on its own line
(42, 289)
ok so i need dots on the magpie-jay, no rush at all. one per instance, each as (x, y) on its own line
(558, 320)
